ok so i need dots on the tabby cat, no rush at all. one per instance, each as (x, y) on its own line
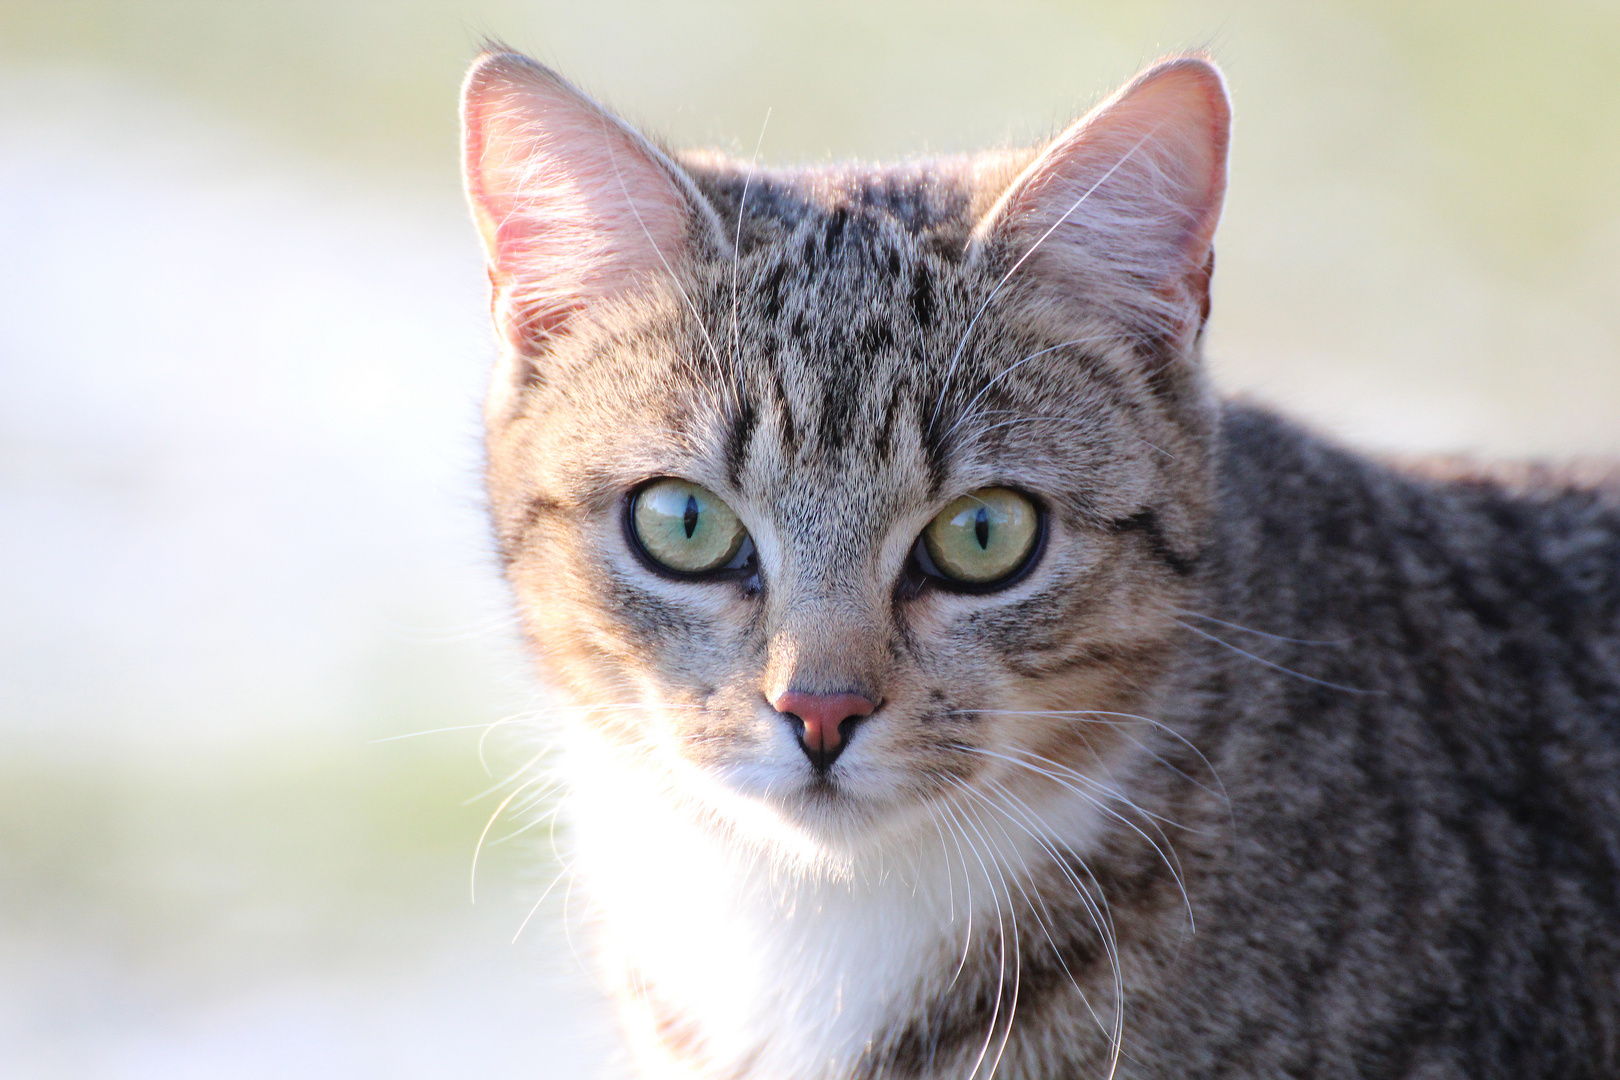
(959, 688)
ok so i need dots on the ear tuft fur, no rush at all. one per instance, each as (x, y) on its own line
(1118, 213)
(575, 208)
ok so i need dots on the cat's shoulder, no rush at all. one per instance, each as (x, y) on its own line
(1290, 493)
(1256, 438)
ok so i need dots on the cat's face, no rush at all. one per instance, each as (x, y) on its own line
(713, 463)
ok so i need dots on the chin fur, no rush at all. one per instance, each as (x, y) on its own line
(777, 938)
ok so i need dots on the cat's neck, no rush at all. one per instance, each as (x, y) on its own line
(733, 956)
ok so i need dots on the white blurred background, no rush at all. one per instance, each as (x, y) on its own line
(242, 341)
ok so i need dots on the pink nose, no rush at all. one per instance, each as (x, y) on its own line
(823, 715)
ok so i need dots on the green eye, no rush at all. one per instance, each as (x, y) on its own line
(982, 537)
(684, 528)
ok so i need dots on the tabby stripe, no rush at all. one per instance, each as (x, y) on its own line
(1146, 522)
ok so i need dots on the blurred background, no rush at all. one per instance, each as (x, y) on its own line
(250, 626)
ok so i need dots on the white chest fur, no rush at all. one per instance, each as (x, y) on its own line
(738, 959)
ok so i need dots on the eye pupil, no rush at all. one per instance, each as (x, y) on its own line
(680, 526)
(982, 538)
(690, 518)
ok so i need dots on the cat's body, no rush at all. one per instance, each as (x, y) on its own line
(1261, 759)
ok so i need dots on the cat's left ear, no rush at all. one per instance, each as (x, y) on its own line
(1117, 215)
(577, 210)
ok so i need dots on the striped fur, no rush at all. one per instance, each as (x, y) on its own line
(1278, 762)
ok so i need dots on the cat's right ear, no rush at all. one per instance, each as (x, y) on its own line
(576, 209)
(1118, 213)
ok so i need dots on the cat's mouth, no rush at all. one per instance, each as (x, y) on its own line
(853, 806)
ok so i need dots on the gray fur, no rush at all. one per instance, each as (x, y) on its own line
(1382, 745)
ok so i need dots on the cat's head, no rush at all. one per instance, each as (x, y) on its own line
(832, 491)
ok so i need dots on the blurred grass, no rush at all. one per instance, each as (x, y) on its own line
(285, 861)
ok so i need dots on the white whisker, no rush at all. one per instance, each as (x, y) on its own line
(1259, 633)
(1001, 930)
(1101, 918)
(1276, 667)
(1093, 716)
(472, 882)
(1171, 864)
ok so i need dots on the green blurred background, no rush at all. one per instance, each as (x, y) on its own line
(241, 346)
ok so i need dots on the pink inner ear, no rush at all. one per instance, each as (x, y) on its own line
(1128, 197)
(574, 208)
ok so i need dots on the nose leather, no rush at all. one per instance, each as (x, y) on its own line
(825, 721)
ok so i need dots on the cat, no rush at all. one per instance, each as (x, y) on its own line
(960, 688)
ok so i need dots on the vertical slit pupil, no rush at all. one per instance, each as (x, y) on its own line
(981, 528)
(690, 518)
